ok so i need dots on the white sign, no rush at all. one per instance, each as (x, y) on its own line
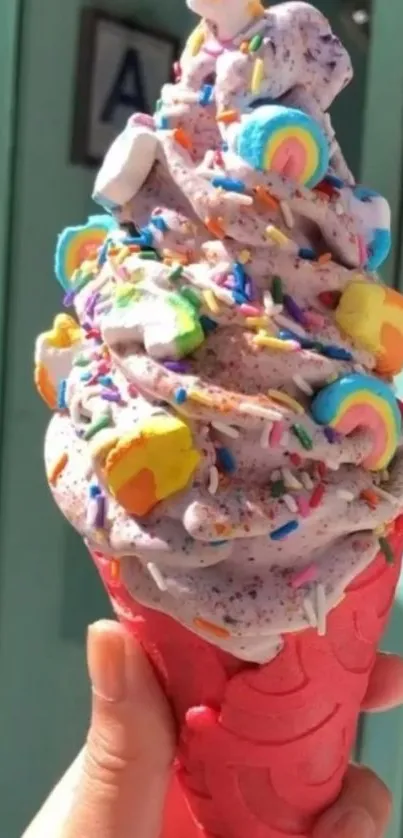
(121, 71)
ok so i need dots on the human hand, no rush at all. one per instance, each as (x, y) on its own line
(117, 788)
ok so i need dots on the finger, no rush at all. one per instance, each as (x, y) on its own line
(385, 688)
(130, 745)
(362, 810)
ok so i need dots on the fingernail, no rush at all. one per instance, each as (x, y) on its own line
(355, 823)
(107, 661)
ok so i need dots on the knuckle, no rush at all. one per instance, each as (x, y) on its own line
(108, 757)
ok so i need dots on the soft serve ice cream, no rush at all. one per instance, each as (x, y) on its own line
(226, 431)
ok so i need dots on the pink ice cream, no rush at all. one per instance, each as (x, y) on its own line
(210, 365)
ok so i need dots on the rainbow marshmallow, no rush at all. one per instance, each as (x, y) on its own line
(372, 316)
(372, 212)
(166, 323)
(153, 462)
(361, 402)
(77, 245)
(284, 140)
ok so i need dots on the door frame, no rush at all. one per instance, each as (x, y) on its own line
(10, 37)
(381, 736)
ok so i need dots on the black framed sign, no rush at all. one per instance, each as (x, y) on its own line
(121, 69)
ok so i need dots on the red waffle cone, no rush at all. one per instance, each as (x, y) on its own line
(264, 749)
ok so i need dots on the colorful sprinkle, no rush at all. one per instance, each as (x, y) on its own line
(306, 481)
(183, 139)
(176, 273)
(331, 435)
(226, 460)
(257, 323)
(255, 43)
(208, 325)
(290, 480)
(290, 503)
(157, 576)
(303, 506)
(266, 198)
(276, 235)
(201, 398)
(99, 522)
(211, 301)
(387, 550)
(257, 76)
(321, 469)
(244, 257)
(159, 222)
(302, 435)
(211, 628)
(344, 494)
(277, 489)
(61, 395)
(57, 468)
(214, 480)
(294, 310)
(303, 384)
(287, 214)
(307, 253)
(214, 226)
(177, 366)
(240, 276)
(229, 184)
(304, 577)
(295, 459)
(227, 430)
(276, 434)
(277, 290)
(325, 258)
(275, 344)
(206, 95)
(317, 496)
(336, 352)
(285, 399)
(329, 299)
(250, 311)
(149, 256)
(265, 436)
(180, 395)
(100, 423)
(259, 410)
(226, 117)
(110, 396)
(283, 532)
(370, 497)
(115, 570)
(68, 298)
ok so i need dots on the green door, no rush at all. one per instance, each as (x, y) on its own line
(48, 589)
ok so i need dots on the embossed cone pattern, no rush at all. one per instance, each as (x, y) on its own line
(263, 749)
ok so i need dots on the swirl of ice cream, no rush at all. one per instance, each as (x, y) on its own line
(286, 54)
(187, 446)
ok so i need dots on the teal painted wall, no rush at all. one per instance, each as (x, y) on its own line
(48, 591)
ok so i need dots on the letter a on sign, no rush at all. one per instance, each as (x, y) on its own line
(127, 90)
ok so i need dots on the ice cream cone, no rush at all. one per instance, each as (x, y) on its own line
(263, 749)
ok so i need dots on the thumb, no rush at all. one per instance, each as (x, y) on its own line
(130, 744)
